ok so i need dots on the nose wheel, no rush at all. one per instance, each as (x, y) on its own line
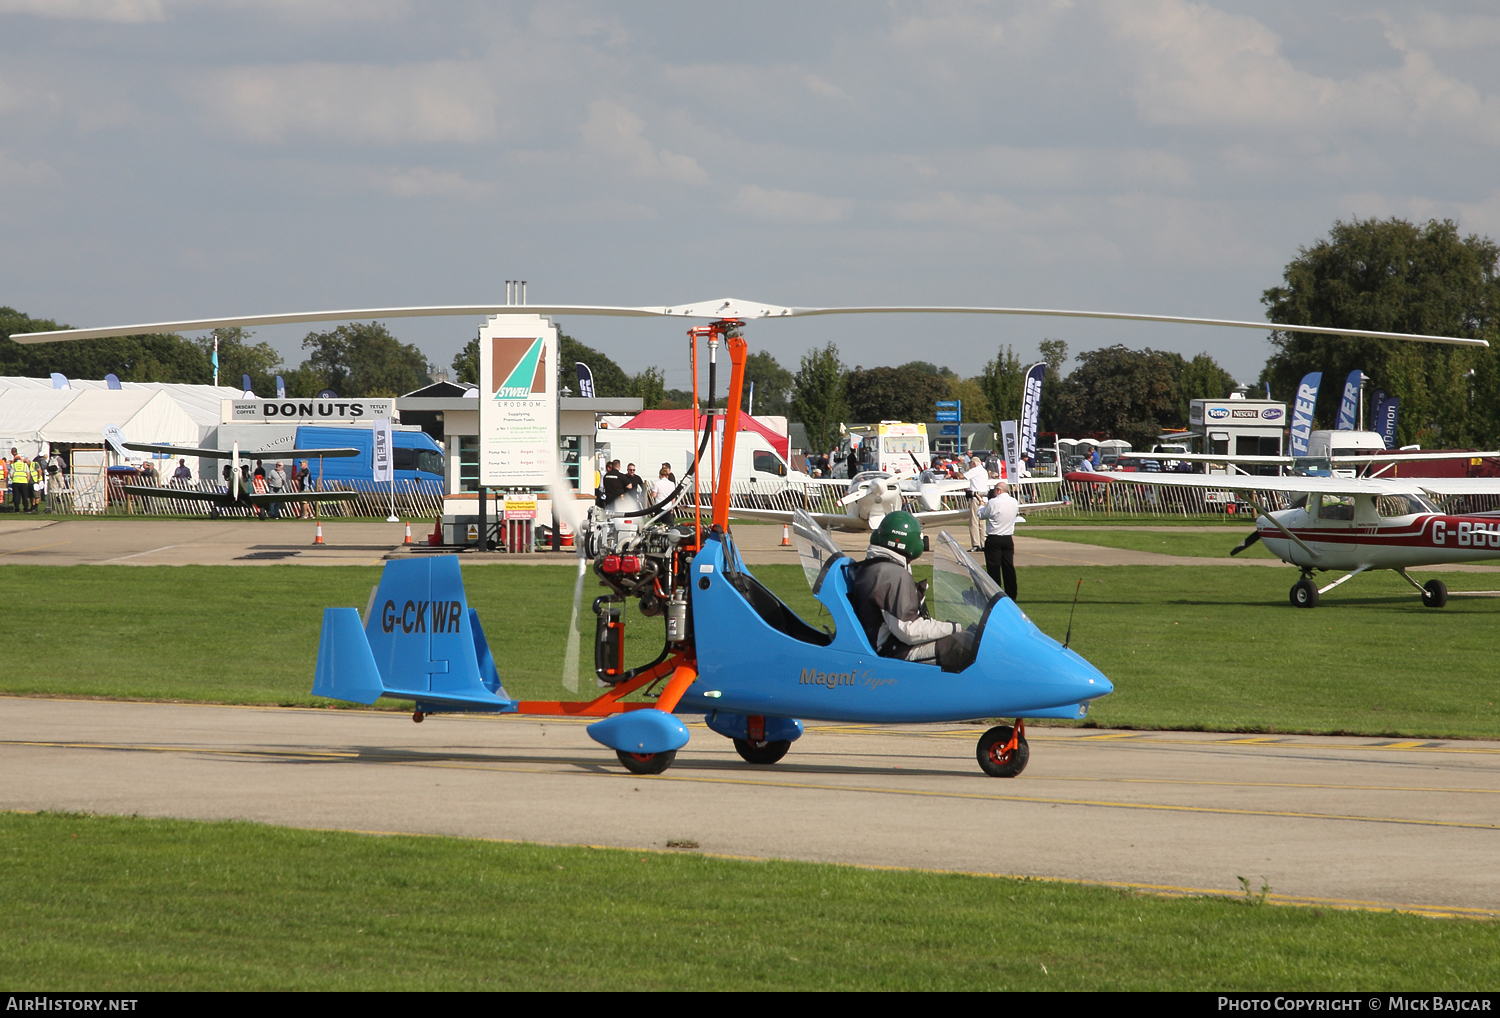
(1305, 593)
(1002, 750)
(646, 763)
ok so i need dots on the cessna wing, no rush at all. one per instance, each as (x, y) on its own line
(1247, 482)
(224, 454)
(833, 521)
(1444, 486)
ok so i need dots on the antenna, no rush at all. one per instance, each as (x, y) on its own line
(1069, 638)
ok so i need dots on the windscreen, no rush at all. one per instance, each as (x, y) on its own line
(900, 446)
(961, 591)
(814, 546)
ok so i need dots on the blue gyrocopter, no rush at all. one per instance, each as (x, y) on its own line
(734, 652)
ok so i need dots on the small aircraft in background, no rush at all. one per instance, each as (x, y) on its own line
(238, 493)
(872, 495)
(1351, 525)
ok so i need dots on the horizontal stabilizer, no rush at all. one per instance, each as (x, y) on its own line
(346, 668)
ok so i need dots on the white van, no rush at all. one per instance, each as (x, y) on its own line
(755, 462)
(1323, 444)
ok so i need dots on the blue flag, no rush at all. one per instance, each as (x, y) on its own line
(585, 380)
(1302, 411)
(111, 382)
(280, 387)
(1349, 405)
(1387, 409)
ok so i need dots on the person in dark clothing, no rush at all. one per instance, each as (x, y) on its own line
(853, 462)
(612, 486)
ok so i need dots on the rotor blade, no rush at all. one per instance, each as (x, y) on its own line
(1323, 330)
(714, 309)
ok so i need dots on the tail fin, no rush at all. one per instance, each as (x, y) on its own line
(420, 642)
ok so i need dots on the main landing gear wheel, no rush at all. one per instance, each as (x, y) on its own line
(995, 760)
(1305, 593)
(762, 752)
(646, 763)
(1435, 594)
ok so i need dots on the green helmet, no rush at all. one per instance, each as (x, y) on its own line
(901, 532)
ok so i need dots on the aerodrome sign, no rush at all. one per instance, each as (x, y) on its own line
(518, 401)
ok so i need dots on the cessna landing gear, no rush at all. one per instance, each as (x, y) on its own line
(1305, 593)
(646, 763)
(1003, 751)
(762, 752)
(1435, 594)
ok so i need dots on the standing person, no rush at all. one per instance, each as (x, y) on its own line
(182, 475)
(979, 490)
(56, 479)
(999, 514)
(4, 479)
(20, 481)
(635, 489)
(276, 482)
(853, 462)
(661, 491)
(611, 486)
(302, 481)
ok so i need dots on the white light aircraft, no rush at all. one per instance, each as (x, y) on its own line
(1352, 525)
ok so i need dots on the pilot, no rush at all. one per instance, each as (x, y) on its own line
(889, 606)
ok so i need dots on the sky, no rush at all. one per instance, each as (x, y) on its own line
(171, 159)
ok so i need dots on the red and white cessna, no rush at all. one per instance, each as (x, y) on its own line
(1353, 525)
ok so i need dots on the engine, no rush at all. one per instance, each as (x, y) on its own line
(647, 563)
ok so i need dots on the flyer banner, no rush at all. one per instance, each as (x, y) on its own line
(1349, 405)
(1031, 404)
(518, 404)
(1011, 442)
(1302, 411)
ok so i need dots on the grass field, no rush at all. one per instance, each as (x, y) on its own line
(110, 904)
(1193, 543)
(1187, 647)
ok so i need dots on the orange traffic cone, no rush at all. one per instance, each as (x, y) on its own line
(408, 533)
(319, 539)
(786, 536)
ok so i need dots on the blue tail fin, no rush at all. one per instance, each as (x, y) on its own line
(421, 642)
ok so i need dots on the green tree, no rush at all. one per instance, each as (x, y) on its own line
(1055, 353)
(360, 360)
(820, 401)
(894, 394)
(1201, 378)
(156, 357)
(648, 386)
(238, 358)
(1117, 392)
(466, 364)
(1004, 383)
(773, 384)
(610, 380)
(970, 393)
(1394, 276)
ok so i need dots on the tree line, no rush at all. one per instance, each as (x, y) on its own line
(360, 359)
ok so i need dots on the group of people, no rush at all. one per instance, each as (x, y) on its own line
(24, 482)
(274, 481)
(630, 492)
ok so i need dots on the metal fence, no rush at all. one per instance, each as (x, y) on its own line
(101, 496)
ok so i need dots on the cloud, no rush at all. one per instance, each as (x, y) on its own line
(130, 11)
(1201, 67)
(34, 173)
(423, 182)
(789, 206)
(614, 131)
(363, 103)
(1428, 30)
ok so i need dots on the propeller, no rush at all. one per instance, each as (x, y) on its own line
(858, 492)
(568, 512)
(1247, 542)
(234, 473)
